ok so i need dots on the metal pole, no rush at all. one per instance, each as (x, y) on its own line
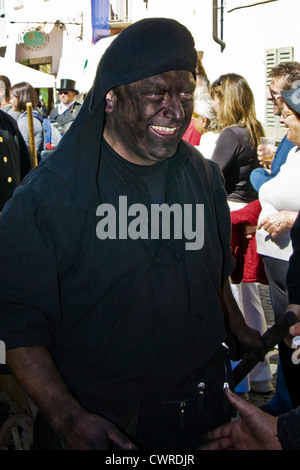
(215, 25)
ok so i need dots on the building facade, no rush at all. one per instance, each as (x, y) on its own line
(242, 36)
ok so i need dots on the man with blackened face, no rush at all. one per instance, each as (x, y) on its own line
(146, 119)
(117, 305)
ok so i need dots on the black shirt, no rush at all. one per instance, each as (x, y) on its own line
(125, 319)
(154, 176)
(237, 157)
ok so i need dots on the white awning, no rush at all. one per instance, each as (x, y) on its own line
(83, 69)
(20, 73)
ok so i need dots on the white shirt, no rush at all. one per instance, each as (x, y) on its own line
(282, 193)
(207, 143)
(61, 108)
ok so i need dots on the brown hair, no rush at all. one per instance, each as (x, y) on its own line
(290, 71)
(25, 93)
(7, 85)
(237, 105)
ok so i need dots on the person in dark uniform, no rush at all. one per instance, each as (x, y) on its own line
(14, 157)
(67, 110)
(5, 103)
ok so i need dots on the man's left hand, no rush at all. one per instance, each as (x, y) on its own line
(250, 342)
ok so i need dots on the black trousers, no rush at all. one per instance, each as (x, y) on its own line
(178, 421)
(182, 419)
(276, 271)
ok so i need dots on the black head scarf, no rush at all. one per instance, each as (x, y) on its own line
(146, 48)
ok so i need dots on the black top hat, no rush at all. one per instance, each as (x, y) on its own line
(66, 84)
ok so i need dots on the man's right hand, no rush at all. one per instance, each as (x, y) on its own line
(88, 431)
(35, 370)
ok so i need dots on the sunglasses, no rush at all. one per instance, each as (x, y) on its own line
(275, 95)
(63, 92)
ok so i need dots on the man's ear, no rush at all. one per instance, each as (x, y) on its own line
(110, 101)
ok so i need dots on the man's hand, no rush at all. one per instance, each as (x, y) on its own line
(295, 329)
(247, 340)
(88, 431)
(255, 430)
(36, 372)
(249, 231)
(250, 342)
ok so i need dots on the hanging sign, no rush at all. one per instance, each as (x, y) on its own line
(34, 39)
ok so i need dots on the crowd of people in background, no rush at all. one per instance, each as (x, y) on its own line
(263, 198)
(262, 218)
(13, 102)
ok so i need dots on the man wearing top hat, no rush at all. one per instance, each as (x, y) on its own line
(67, 110)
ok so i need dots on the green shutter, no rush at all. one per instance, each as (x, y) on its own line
(274, 57)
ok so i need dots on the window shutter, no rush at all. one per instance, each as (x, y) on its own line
(285, 54)
(274, 57)
(270, 118)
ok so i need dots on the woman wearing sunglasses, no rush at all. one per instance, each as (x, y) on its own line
(280, 202)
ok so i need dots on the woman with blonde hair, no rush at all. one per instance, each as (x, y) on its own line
(236, 153)
(236, 149)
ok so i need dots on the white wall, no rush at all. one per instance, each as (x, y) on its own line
(62, 42)
(248, 32)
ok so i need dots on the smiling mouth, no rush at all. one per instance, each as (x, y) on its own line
(162, 130)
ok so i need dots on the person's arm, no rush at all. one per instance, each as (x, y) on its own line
(276, 223)
(247, 339)
(258, 177)
(35, 370)
(288, 427)
(255, 430)
(23, 126)
(292, 278)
